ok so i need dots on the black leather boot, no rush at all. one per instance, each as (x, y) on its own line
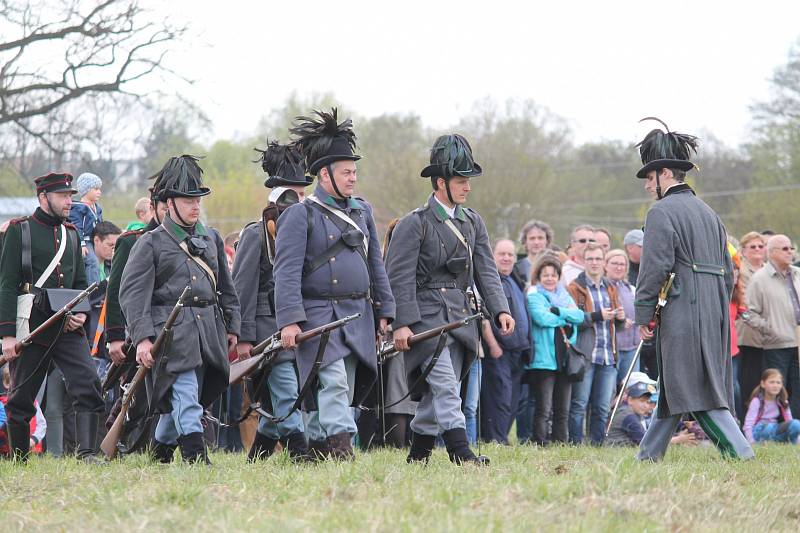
(193, 448)
(295, 444)
(421, 448)
(86, 434)
(163, 453)
(262, 448)
(318, 449)
(19, 436)
(458, 448)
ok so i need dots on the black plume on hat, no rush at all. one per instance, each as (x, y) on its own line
(323, 140)
(451, 155)
(660, 149)
(284, 164)
(180, 177)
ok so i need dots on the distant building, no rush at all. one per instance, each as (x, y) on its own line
(14, 207)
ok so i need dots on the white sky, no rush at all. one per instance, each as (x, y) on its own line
(602, 65)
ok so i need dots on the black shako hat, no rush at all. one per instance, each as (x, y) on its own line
(180, 177)
(323, 140)
(284, 164)
(55, 182)
(451, 155)
(668, 149)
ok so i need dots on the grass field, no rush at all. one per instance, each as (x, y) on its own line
(525, 489)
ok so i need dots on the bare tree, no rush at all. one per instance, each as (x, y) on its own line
(56, 55)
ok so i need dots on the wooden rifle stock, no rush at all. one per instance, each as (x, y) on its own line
(388, 348)
(52, 320)
(269, 348)
(112, 438)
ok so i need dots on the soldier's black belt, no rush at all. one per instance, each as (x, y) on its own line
(199, 303)
(346, 296)
(442, 285)
(191, 303)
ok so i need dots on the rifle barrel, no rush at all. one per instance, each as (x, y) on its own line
(431, 333)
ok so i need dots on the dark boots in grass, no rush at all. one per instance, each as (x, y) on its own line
(421, 448)
(297, 447)
(458, 448)
(262, 448)
(340, 448)
(86, 425)
(193, 448)
(163, 453)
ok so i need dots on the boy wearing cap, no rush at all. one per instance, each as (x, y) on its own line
(629, 424)
(85, 214)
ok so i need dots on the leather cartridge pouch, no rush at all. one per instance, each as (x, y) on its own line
(353, 238)
(456, 265)
(51, 300)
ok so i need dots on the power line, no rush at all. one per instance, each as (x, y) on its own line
(713, 194)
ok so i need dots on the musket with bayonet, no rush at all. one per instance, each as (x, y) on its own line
(109, 444)
(50, 322)
(662, 302)
(267, 350)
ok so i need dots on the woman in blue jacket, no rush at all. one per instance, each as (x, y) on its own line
(551, 308)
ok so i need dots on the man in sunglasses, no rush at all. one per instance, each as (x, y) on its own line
(683, 236)
(580, 237)
(774, 311)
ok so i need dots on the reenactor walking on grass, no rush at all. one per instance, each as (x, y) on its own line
(191, 371)
(328, 265)
(439, 258)
(137, 430)
(685, 237)
(255, 286)
(41, 255)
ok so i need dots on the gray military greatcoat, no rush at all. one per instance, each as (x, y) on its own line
(337, 289)
(423, 253)
(255, 286)
(683, 235)
(156, 274)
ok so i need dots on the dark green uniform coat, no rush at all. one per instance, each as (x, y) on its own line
(45, 240)
(115, 320)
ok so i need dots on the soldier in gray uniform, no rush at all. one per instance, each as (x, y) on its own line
(252, 277)
(328, 265)
(683, 235)
(192, 370)
(438, 253)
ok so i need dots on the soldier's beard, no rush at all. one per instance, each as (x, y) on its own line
(54, 212)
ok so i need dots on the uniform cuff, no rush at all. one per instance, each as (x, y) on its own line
(406, 314)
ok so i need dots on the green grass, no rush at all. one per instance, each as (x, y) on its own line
(525, 489)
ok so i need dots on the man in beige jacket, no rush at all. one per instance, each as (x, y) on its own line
(773, 296)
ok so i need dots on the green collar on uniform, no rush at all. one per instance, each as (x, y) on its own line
(327, 199)
(175, 228)
(442, 215)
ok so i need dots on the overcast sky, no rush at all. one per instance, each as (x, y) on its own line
(602, 65)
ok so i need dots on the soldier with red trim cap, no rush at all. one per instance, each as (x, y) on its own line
(42, 252)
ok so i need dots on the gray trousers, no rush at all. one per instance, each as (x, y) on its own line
(440, 407)
(718, 424)
(282, 383)
(187, 413)
(334, 396)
